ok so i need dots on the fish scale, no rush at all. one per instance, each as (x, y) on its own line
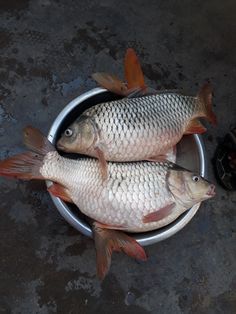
(141, 128)
(131, 191)
(135, 196)
(131, 128)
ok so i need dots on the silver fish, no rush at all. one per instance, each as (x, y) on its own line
(136, 197)
(133, 129)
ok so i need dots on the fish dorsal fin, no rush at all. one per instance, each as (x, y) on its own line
(133, 71)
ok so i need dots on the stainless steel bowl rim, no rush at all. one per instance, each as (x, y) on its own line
(146, 238)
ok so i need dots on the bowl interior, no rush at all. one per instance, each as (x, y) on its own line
(190, 155)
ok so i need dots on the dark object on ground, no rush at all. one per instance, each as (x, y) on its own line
(225, 161)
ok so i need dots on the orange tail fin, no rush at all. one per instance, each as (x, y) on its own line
(205, 98)
(27, 165)
(107, 241)
(133, 71)
(133, 75)
(23, 166)
(36, 141)
(111, 83)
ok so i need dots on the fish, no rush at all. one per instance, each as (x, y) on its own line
(135, 197)
(140, 128)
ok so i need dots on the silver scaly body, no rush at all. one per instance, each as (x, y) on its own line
(133, 129)
(131, 191)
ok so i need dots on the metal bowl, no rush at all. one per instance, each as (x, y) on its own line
(190, 154)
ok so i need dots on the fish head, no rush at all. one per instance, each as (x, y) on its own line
(78, 137)
(189, 188)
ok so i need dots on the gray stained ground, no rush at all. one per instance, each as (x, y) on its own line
(48, 51)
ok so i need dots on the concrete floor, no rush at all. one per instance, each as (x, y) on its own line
(48, 51)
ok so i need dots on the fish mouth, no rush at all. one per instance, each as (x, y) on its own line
(211, 192)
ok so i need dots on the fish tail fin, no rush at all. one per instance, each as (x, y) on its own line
(27, 165)
(205, 98)
(36, 141)
(133, 75)
(23, 166)
(133, 71)
(107, 241)
(111, 83)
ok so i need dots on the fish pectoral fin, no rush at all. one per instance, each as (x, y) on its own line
(60, 191)
(195, 127)
(133, 71)
(107, 241)
(103, 162)
(110, 82)
(159, 214)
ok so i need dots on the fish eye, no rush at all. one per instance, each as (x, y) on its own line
(195, 178)
(68, 132)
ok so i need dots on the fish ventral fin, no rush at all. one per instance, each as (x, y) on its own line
(107, 241)
(159, 158)
(169, 155)
(194, 127)
(111, 83)
(60, 191)
(205, 98)
(27, 165)
(159, 214)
